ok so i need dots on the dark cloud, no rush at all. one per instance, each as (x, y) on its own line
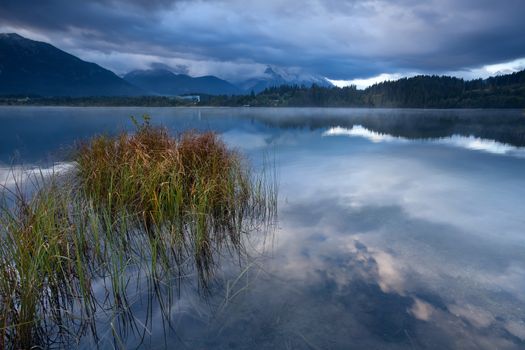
(178, 69)
(338, 39)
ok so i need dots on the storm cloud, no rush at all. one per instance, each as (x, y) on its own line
(337, 39)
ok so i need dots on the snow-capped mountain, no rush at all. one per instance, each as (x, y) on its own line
(274, 76)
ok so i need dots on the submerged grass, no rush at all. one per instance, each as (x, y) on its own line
(146, 201)
(42, 266)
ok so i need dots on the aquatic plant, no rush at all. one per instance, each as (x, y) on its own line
(192, 186)
(159, 206)
(42, 251)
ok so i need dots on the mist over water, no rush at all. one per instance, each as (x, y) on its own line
(397, 228)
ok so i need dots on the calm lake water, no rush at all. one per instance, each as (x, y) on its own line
(397, 229)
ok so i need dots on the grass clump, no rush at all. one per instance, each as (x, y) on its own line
(147, 202)
(191, 185)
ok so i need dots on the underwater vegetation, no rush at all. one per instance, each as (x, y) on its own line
(145, 204)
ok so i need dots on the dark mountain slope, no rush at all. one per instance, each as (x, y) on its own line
(29, 67)
(164, 82)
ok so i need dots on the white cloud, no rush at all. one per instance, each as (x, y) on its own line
(366, 82)
(121, 63)
(490, 70)
(483, 72)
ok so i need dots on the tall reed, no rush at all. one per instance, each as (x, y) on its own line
(42, 250)
(146, 202)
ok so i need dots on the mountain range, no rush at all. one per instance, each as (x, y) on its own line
(34, 68)
(166, 83)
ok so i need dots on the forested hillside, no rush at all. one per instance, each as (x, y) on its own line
(505, 91)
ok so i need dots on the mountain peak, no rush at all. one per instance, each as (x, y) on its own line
(11, 36)
(269, 70)
(276, 76)
(153, 72)
(16, 39)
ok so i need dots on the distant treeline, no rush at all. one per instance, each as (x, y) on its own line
(505, 91)
(96, 101)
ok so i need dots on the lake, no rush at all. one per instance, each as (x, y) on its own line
(396, 228)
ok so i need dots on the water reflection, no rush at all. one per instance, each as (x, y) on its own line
(11, 175)
(333, 283)
(407, 234)
(468, 142)
(32, 134)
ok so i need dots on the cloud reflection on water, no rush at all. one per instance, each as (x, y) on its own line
(10, 176)
(371, 265)
(467, 142)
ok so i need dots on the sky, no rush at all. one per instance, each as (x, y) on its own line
(346, 41)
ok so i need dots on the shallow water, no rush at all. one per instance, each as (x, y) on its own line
(397, 228)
